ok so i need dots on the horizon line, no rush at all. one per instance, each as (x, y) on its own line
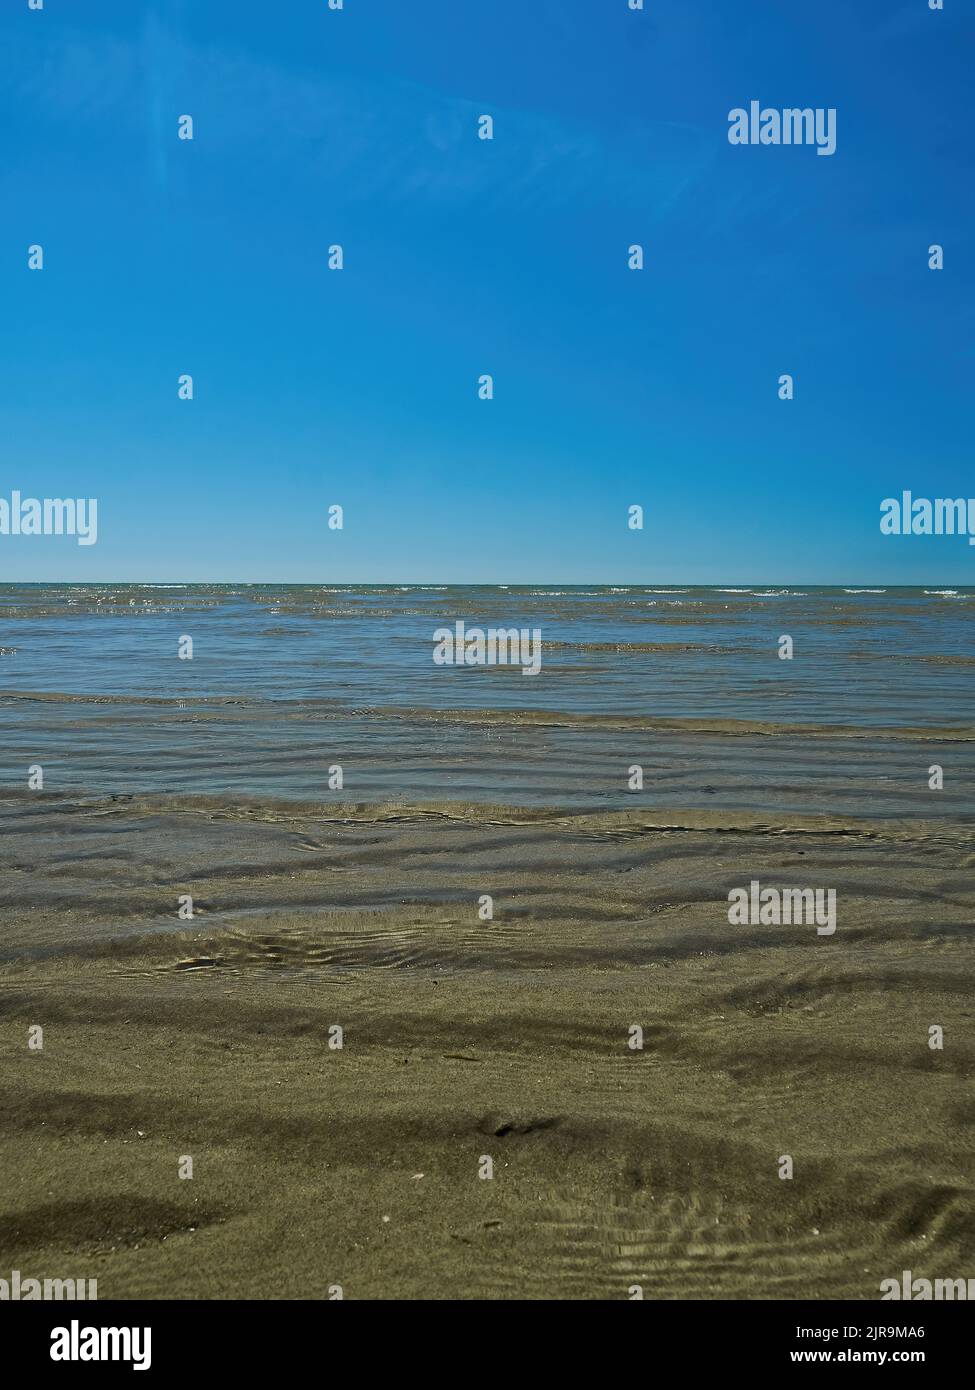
(485, 583)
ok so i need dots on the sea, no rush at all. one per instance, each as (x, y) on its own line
(671, 697)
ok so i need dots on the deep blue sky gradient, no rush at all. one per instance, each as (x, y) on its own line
(463, 257)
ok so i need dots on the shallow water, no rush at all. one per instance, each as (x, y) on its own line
(509, 1034)
(288, 681)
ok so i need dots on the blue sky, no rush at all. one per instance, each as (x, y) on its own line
(465, 256)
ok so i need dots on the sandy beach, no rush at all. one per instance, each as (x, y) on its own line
(317, 1167)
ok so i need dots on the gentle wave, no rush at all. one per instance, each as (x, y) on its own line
(304, 710)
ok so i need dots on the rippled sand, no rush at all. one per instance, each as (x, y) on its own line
(463, 1038)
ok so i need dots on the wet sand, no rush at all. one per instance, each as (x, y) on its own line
(315, 1167)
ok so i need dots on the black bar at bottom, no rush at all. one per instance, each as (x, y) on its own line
(193, 1337)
